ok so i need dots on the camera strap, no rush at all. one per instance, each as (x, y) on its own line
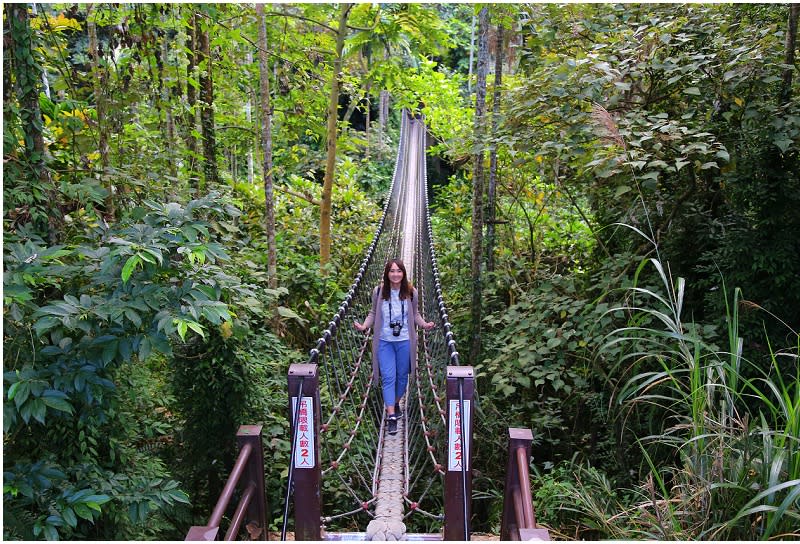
(402, 311)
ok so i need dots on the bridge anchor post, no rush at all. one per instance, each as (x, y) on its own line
(458, 478)
(305, 465)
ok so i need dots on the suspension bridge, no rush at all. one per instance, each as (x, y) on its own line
(349, 479)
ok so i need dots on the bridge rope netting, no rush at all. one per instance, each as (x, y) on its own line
(367, 474)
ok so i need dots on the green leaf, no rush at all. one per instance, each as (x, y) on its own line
(69, 516)
(286, 312)
(38, 410)
(782, 143)
(13, 390)
(692, 90)
(97, 499)
(58, 404)
(109, 351)
(50, 532)
(46, 323)
(83, 511)
(182, 328)
(133, 317)
(180, 496)
(130, 264)
(196, 327)
(144, 348)
(144, 508)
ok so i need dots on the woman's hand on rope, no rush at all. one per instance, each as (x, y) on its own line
(429, 325)
(360, 327)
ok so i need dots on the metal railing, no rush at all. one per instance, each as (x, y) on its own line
(519, 517)
(252, 505)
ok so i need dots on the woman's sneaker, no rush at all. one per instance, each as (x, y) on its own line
(392, 427)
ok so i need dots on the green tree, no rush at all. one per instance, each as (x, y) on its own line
(266, 143)
(330, 140)
(478, 185)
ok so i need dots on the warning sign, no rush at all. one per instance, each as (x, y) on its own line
(457, 448)
(304, 453)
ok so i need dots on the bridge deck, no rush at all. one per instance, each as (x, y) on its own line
(389, 508)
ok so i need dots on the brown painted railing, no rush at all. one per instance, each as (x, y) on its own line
(252, 505)
(519, 517)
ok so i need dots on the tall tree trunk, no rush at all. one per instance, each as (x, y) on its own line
(791, 41)
(169, 130)
(45, 80)
(383, 114)
(490, 195)
(248, 112)
(190, 117)
(366, 125)
(471, 54)
(28, 75)
(205, 62)
(330, 162)
(266, 143)
(383, 109)
(478, 184)
(98, 82)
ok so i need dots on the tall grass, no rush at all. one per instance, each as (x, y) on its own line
(730, 427)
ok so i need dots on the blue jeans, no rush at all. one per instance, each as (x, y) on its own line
(395, 364)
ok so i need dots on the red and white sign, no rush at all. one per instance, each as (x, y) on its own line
(304, 452)
(457, 448)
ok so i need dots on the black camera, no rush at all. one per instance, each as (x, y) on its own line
(396, 327)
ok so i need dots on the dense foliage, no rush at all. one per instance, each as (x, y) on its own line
(631, 133)
(642, 308)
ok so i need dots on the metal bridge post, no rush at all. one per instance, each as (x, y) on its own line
(254, 473)
(305, 466)
(519, 519)
(510, 525)
(458, 478)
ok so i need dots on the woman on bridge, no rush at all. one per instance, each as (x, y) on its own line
(394, 314)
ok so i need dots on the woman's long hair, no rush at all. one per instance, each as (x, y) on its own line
(405, 286)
